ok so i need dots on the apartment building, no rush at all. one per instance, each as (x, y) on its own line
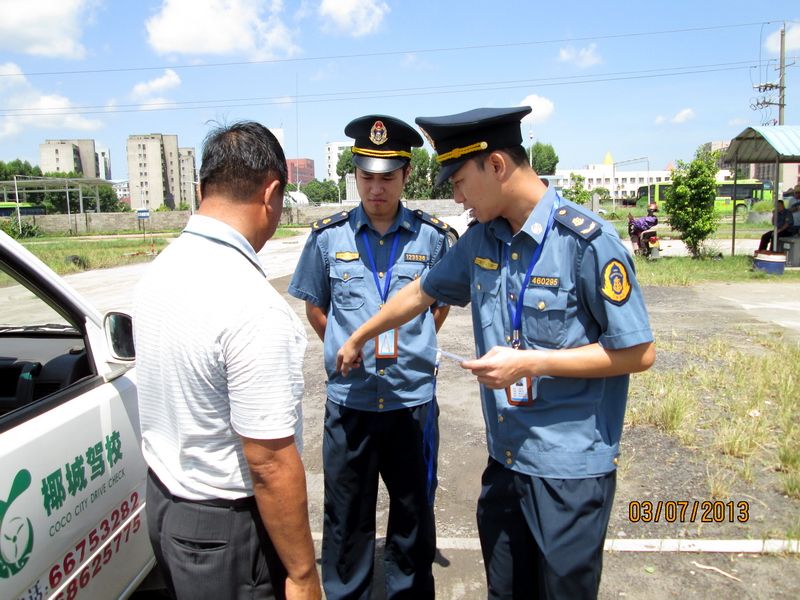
(332, 152)
(301, 170)
(188, 175)
(155, 164)
(69, 156)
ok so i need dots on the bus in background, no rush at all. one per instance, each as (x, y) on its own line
(9, 209)
(748, 192)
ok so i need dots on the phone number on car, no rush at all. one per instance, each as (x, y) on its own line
(688, 511)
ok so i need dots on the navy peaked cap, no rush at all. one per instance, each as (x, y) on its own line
(382, 143)
(456, 138)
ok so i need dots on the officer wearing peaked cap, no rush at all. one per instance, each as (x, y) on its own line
(383, 418)
(559, 323)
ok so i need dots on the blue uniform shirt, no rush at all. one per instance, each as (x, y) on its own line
(334, 274)
(582, 290)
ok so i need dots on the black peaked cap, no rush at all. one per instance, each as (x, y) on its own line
(456, 138)
(382, 143)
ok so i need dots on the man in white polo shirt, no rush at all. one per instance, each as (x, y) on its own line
(219, 364)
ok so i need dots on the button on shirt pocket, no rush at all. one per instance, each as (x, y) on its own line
(347, 286)
(486, 294)
(545, 311)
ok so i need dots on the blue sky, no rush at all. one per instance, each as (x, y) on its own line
(638, 79)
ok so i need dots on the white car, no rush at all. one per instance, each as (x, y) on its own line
(458, 224)
(72, 476)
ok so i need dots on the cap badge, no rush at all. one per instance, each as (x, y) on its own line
(378, 135)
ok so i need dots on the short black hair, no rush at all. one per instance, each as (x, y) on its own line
(238, 158)
(517, 154)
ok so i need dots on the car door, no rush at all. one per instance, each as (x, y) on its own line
(72, 476)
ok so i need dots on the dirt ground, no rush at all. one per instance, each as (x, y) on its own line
(654, 467)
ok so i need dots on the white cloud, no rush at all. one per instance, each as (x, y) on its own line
(44, 28)
(543, 108)
(251, 28)
(792, 40)
(660, 119)
(583, 58)
(146, 89)
(682, 116)
(353, 17)
(29, 108)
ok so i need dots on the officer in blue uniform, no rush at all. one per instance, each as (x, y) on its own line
(559, 323)
(383, 418)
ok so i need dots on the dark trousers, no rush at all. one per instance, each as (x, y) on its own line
(543, 538)
(766, 241)
(212, 552)
(357, 447)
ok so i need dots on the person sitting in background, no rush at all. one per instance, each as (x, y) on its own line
(641, 224)
(794, 208)
(782, 219)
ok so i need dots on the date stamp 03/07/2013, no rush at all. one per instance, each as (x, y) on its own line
(688, 511)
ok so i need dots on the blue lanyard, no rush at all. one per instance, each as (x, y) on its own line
(384, 293)
(516, 315)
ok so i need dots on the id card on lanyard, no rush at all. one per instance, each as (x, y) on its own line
(523, 391)
(386, 342)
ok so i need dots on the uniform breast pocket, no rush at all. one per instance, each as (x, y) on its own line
(545, 312)
(486, 294)
(347, 286)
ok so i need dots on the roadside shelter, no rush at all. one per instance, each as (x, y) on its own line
(765, 145)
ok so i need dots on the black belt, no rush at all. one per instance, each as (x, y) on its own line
(237, 504)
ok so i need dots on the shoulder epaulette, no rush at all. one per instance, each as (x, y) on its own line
(582, 224)
(439, 224)
(328, 221)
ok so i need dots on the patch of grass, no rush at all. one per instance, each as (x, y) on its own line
(719, 483)
(791, 484)
(95, 253)
(684, 270)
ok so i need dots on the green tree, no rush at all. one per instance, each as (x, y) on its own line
(320, 192)
(690, 204)
(345, 163)
(543, 158)
(418, 186)
(577, 193)
(110, 203)
(604, 193)
(443, 190)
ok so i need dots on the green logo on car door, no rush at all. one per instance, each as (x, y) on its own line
(16, 533)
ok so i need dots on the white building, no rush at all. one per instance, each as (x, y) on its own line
(154, 171)
(620, 180)
(69, 156)
(122, 190)
(332, 152)
(188, 175)
(104, 163)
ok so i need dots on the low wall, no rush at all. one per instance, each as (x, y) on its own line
(91, 222)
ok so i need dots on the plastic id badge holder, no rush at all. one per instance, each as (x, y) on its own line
(521, 392)
(386, 344)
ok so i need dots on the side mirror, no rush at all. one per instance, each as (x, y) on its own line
(118, 328)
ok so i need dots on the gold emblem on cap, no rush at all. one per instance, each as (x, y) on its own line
(378, 134)
(578, 221)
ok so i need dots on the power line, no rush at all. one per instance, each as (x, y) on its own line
(395, 52)
(371, 94)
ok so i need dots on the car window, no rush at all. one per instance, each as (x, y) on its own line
(42, 351)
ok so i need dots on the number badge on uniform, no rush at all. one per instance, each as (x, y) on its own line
(616, 286)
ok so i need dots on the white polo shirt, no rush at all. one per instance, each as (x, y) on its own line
(219, 355)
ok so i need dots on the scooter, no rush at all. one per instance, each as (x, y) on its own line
(649, 245)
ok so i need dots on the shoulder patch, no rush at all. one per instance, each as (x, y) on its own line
(328, 221)
(439, 224)
(615, 285)
(584, 226)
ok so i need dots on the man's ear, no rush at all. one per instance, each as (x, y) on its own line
(498, 164)
(407, 172)
(272, 188)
